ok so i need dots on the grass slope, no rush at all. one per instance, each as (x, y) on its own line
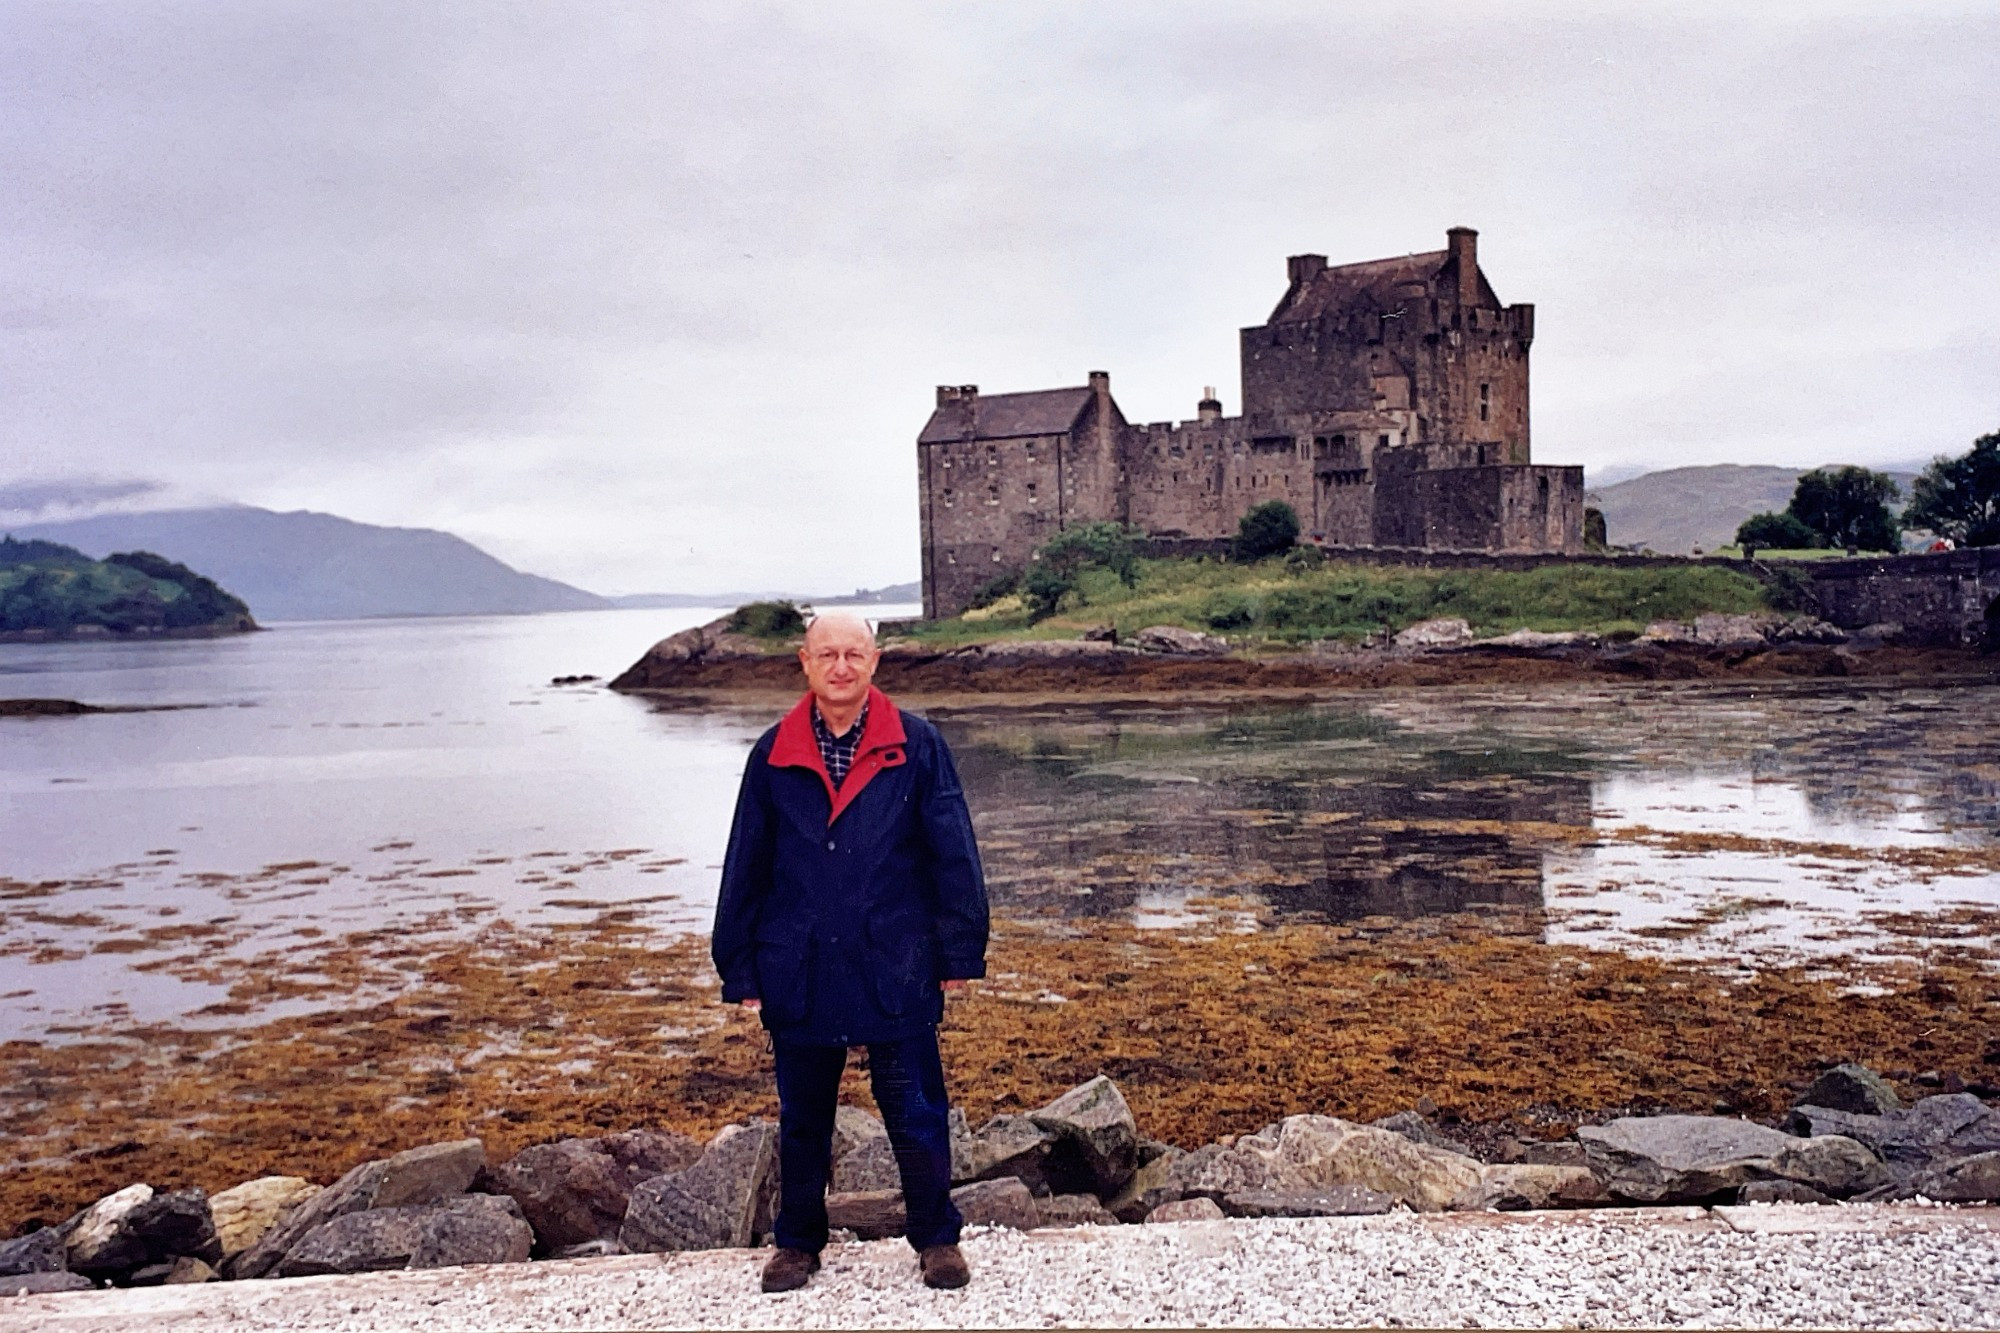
(1267, 603)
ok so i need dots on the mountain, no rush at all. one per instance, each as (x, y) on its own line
(1682, 508)
(306, 566)
(891, 595)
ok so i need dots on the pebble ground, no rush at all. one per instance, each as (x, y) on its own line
(1761, 1267)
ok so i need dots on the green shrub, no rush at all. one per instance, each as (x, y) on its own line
(1848, 506)
(1267, 529)
(1776, 532)
(1000, 585)
(1228, 609)
(768, 620)
(1959, 497)
(1304, 559)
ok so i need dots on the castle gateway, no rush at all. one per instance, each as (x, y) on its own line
(1386, 402)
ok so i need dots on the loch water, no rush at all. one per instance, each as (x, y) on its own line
(325, 779)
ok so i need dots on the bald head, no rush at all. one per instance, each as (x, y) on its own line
(842, 627)
(839, 660)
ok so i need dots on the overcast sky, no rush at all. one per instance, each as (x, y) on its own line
(655, 296)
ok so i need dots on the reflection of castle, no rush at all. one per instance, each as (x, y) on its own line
(1386, 402)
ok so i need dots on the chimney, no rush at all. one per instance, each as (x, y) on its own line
(1100, 381)
(952, 393)
(1463, 242)
(1302, 269)
(1210, 407)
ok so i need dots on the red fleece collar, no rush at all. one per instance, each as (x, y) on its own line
(882, 746)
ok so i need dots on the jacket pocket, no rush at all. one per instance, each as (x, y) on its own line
(783, 968)
(905, 968)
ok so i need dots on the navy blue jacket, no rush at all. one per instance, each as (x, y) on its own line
(843, 910)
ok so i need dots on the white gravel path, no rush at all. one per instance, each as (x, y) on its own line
(1773, 1267)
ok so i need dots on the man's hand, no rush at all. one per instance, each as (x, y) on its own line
(956, 983)
(752, 1006)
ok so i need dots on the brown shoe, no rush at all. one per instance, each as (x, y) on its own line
(944, 1267)
(787, 1270)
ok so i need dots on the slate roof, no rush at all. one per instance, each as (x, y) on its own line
(1002, 416)
(1373, 283)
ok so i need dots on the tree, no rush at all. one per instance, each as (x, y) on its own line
(1775, 532)
(768, 620)
(1267, 529)
(1596, 536)
(1959, 497)
(1057, 562)
(1847, 506)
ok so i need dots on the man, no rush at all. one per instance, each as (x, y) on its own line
(851, 899)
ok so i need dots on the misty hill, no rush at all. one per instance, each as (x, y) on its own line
(1681, 508)
(307, 566)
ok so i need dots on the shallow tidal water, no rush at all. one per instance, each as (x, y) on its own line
(400, 780)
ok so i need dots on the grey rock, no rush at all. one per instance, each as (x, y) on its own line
(431, 1173)
(1533, 638)
(1558, 1152)
(853, 1127)
(577, 1190)
(1187, 1210)
(1731, 631)
(1150, 1186)
(1443, 632)
(1325, 1151)
(1781, 1191)
(138, 1227)
(1527, 1186)
(469, 1229)
(1419, 1130)
(1685, 1158)
(1008, 1145)
(1174, 639)
(1004, 1202)
(38, 1284)
(37, 1252)
(244, 1212)
(712, 1204)
(869, 1214)
(1215, 1170)
(425, 1175)
(188, 1269)
(1340, 1201)
(1668, 631)
(1094, 1119)
(1073, 1210)
(1974, 1179)
(870, 1166)
(1852, 1088)
(1933, 1129)
(1809, 629)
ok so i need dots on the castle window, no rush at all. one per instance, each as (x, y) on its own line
(1031, 492)
(1485, 400)
(1381, 442)
(996, 555)
(947, 498)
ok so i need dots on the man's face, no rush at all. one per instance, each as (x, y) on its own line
(839, 658)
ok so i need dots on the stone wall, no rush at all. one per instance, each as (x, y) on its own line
(1947, 598)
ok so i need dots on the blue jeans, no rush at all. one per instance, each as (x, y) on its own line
(908, 1079)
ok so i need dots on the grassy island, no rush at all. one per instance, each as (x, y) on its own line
(50, 591)
(1295, 599)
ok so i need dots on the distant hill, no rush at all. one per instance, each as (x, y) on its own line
(52, 591)
(893, 594)
(1681, 508)
(307, 566)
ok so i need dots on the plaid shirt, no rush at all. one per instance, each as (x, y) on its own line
(838, 751)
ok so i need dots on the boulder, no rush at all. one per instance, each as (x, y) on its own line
(1852, 1088)
(1974, 1179)
(137, 1227)
(1187, 1210)
(1524, 1186)
(1174, 639)
(243, 1213)
(1149, 1187)
(852, 1128)
(41, 1251)
(1668, 631)
(1534, 638)
(1780, 1191)
(1443, 632)
(869, 1214)
(1686, 1158)
(1419, 1130)
(187, 1269)
(1933, 1129)
(469, 1229)
(1340, 1201)
(1809, 629)
(1072, 1210)
(416, 1176)
(1215, 1170)
(1007, 1145)
(1005, 1202)
(869, 1167)
(712, 1204)
(1094, 1120)
(1715, 630)
(576, 1190)
(38, 1284)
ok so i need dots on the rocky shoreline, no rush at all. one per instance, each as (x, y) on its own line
(1080, 1159)
(1165, 659)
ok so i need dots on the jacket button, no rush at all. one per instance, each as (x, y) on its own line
(829, 844)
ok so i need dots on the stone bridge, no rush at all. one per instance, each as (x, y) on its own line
(1946, 598)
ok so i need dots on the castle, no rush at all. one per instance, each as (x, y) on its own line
(1386, 402)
